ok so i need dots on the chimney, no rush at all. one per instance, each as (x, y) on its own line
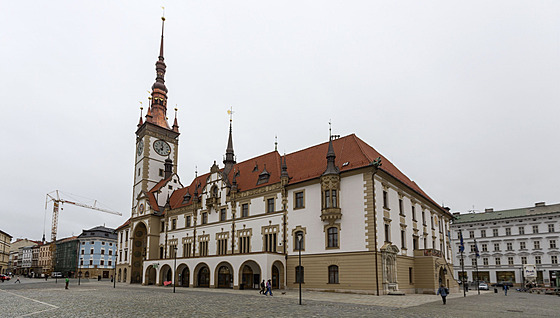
(539, 204)
(489, 210)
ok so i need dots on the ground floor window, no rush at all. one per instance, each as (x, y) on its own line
(333, 274)
(482, 276)
(508, 276)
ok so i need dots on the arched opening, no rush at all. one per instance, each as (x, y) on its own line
(185, 277)
(165, 275)
(86, 274)
(138, 252)
(224, 275)
(150, 275)
(249, 275)
(278, 275)
(442, 280)
(202, 275)
(124, 276)
(120, 274)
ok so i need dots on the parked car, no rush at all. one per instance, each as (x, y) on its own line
(483, 286)
(4, 277)
(56, 275)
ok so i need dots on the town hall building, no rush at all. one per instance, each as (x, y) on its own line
(360, 224)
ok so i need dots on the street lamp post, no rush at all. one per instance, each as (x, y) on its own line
(299, 238)
(174, 268)
(115, 271)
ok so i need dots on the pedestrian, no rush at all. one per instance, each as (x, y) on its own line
(67, 281)
(442, 291)
(46, 277)
(17, 281)
(262, 287)
(268, 288)
(506, 289)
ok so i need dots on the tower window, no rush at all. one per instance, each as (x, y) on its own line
(161, 172)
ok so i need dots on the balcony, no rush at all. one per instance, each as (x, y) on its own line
(212, 201)
(331, 214)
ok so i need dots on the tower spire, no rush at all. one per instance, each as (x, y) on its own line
(229, 159)
(175, 125)
(331, 156)
(159, 90)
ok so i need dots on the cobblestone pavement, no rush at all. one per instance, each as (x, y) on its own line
(37, 298)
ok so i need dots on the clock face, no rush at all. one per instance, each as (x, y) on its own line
(140, 148)
(162, 148)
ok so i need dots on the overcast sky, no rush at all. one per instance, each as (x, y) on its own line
(463, 97)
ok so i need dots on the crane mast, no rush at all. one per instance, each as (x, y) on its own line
(57, 205)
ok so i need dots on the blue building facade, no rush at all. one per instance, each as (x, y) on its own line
(97, 253)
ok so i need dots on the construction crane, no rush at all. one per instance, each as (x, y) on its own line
(55, 197)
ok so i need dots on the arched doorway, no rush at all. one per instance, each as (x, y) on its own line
(86, 274)
(150, 275)
(165, 274)
(442, 280)
(124, 275)
(202, 275)
(138, 252)
(249, 275)
(185, 277)
(225, 276)
(120, 274)
(278, 275)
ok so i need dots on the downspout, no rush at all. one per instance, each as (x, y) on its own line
(376, 164)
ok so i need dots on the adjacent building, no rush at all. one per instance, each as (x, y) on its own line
(18, 266)
(45, 259)
(506, 241)
(359, 223)
(66, 257)
(97, 252)
(5, 240)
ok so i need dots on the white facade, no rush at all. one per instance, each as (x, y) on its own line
(507, 240)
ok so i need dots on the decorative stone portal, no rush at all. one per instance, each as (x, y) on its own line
(389, 265)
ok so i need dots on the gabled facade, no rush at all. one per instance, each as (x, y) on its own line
(97, 252)
(364, 225)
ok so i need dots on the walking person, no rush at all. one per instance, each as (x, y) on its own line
(67, 281)
(442, 291)
(506, 289)
(262, 287)
(268, 288)
(17, 280)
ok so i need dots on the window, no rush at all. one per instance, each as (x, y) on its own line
(270, 242)
(204, 217)
(413, 213)
(161, 172)
(126, 235)
(472, 248)
(521, 230)
(162, 228)
(91, 251)
(495, 232)
(485, 247)
(471, 233)
(83, 251)
(110, 262)
(554, 259)
(81, 262)
(496, 247)
(138, 171)
(423, 218)
(482, 233)
(102, 243)
(245, 244)
(110, 252)
(537, 260)
(485, 260)
(173, 224)
(551, 228)
(523, 260)
(333, 274)
(332, 235)
(425, 243)
(222, 246)
(552, 243)
(120, 257)
(509, 246)
(334, 199)
(415, 242)
(90, 262)
(270, 205)
(299, 200)
(245, 210)
(385, 200)
(387, 233)
(403, 239)
(498, 261)
(510, 260)
(299, 274)
(535, 229)
(102, 262)
(473, 262)
(188, 221)
(125, 254)
(187, 250)
(401, 210)
(522, 245)
(102, 252)
(203, 248)
(222, 214)
(508, 230)
(410, 278)
(537, 245)
(299, 244)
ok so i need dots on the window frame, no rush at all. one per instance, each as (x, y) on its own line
(333, 274)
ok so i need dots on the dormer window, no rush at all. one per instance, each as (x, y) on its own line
(263, 176)
(186, 198)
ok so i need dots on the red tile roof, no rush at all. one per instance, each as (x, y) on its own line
(310, 163)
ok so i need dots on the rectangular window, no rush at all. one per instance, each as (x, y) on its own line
(91, 251)
(245, 210)
(473, 262)
(510, 260)
(188, 221)
(471, 234)
(521, 230)
(552, 243)
(401, 210)
(125, 255)
(498, 261)
(102, 262)
(222, 214)
(110, 262)
(161, 172)
(403, 239)
(270, 242)
(385, 200)
(535, 229)
(387, 233)
(410, 279)
(222, 246)
(495, 232)
(162, 228)
(187, 250)
(126, 235)
(299, 200)
(523, 260)
(482, 233)
(509, 246)
(81, 262)
(204, 217)
(415, 242)
(270, 205)
(485, 260)
(203, 248)
(327, 198)
(334, 199)
(551, 228)
(554, 259)
(508, 230)
(90, 262)
(333, 274)
(537, 245)
(496, 247)
(110, 252)
(83, 251)
(413, 213)
(244, 244)
(538, 260)
(173, 224)
(485, 247)
(423, 217)
(102, 252)
(522, 245)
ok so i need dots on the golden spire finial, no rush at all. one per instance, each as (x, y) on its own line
(163, 13)
(230, 113)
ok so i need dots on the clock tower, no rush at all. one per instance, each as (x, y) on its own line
(156, 141)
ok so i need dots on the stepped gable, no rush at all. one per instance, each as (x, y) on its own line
(351, 153)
